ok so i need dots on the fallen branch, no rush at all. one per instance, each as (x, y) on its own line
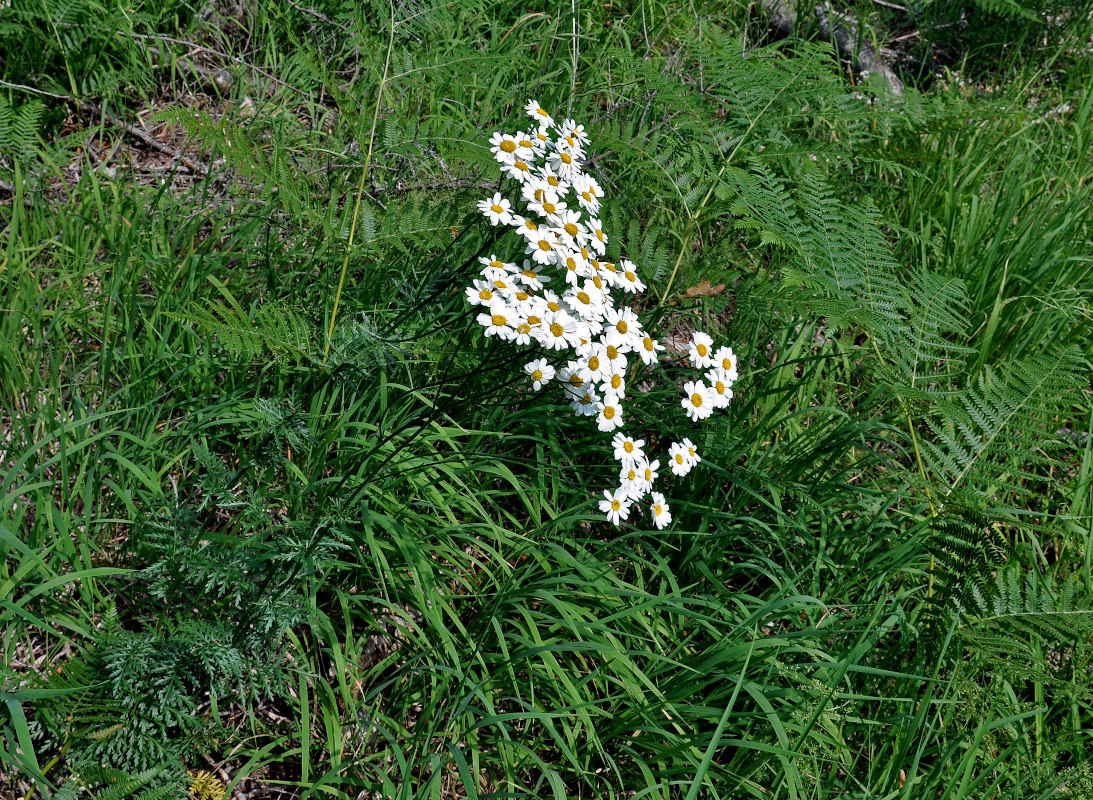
(143, 136)
(843, 31)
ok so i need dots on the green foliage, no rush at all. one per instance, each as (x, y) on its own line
(353, 554)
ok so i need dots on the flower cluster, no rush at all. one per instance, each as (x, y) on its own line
(587, 337)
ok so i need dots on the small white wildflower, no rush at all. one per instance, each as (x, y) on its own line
(648, 349)
(539, 114)
(610, 414)
(698, 400)
(662, 516)
(616, 505)
(498, 322)
(682, 456)
(497, 209)
(700, 350)
(540, 371)
(725, 360)
(719, 384)
(587, 405)
(627, 450)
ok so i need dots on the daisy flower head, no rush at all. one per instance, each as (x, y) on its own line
(698, 401)
(528, 228)
(626, 450)
(682, 456)
(575, 265)
(616, 505)
(629, 279)
(574, 378)
(725, 360)
(543, 246)
(552, 179)
(547, 204)
(610, 414)
(571, 127)
(615, 382)
(482, 293)
(500, 269)
(526, 146)
(499, 320)
(587, 405)
(519, 169)
(504, 147)
(497, 209)
(572, 231)
(598, 239)
(539, 114)
(700, 350)
(531, 275)
(565, 163)
(588, 193)
(648, 472)
(648, 349)
(630, 480)
(659, 509)
(557, 332)
(720, 384)
(540, 371)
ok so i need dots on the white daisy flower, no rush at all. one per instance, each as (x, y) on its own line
(482, 293)
(624, 323)
(539, 114)
(598, 239)
(587, 405)
(570, 228)
(495, 263)
(547, 204)
(528, 228)
(616, 359)
(698, 401)
(552, 179)
(551, 300)
(659, 509)
(499, 320)
(573, 128)
(720, 384)
(576, 267)
(588, 194)
(540, 371)
(680, 459)
(596, 361)
(497, 209)
(610, 415)
(614, 382)
(542, 247)
(627, 450)
(504, 147)
(700, 350)
(565, 164)
(616, 505)
(725, 360)
(629, 279)
(648, 349)
(557, 332)
(531, 275)
(526, 146)
(630, 480)
(586, 301)
(519, 169)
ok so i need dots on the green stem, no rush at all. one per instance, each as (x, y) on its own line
(360, 187)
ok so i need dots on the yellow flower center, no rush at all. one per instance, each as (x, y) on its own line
(630, 276)
(497, 209)
(526, 143)
(524, 328)
(696, 400)
(497, 264)
(570, 140)
(609, 412)
(614, 505)
(726, 364)
(552, 180)
(691, 450)
(521, 295)
(586, 196)
(534, 321)
(631, 475)
(679, 458)
(544, 244)
(628, 447)
(720, 387)
(537, 375)
(612, 352)
(529, 273)
(570, 264)
(594, 363)
(610, 266)
(620, 326)
(554, 307)
(599, 234)
(648, 474)
(541, 113)
(508, 146)
(539, 195)
(656, 510)
(647, 343)
(497, 319)
(549, 208)
(584, 298)
(587, 399)
(571, 229)
(520, 165)
(702, 350)
(566, 159)
(584, 253)
(616, 381)
(597, 282)
(556, 329)
(531, 226)
(576, 380)
(500, 284)
(485, 294)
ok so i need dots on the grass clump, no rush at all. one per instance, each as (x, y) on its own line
(256, 542)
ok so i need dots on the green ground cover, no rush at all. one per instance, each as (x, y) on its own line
(256, 544)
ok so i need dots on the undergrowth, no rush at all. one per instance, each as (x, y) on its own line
(350, 555)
